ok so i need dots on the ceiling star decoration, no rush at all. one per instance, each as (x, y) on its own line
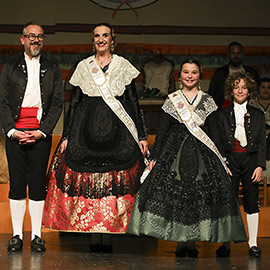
(117, 5)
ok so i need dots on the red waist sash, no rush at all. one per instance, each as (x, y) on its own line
(237, 148)
(27, 118)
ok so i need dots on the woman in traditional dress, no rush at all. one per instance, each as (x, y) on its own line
(94, 181)
(187, 196)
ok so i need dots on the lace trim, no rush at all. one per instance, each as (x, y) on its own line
(94, 185)
(187, 176)
(203, 106)
(119, 74)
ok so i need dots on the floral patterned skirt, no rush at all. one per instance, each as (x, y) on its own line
(90, 202)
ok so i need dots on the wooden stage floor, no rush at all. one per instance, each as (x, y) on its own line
(129, 252)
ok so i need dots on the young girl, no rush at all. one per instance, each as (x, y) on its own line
(187, 196)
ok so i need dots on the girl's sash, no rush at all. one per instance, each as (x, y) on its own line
(183, 110)
(104, 90)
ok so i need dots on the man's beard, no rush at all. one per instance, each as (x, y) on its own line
(33, 51)
(236, 62)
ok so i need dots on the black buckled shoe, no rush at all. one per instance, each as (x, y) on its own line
(255, 251)
(222, 251)
(15, 244)
(38, 245)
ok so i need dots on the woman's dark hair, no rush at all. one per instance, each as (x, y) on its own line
(107, 25)
(191, 61)
(234, 80)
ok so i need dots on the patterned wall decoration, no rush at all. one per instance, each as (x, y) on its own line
(211, 57)
(117, 5)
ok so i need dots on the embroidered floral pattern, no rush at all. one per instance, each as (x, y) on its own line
(200, 113)
(89, 202)
(186, 189)
(187, 195)
(80, 214)
(119, 74)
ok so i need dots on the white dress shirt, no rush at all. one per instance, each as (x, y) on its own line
(32, 95)
(240, 134)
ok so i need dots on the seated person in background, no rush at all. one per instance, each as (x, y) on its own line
(235, 57)
(158, 82)
(262, 102)
(239, 133)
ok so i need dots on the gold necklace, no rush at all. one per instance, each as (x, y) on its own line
(101, 62)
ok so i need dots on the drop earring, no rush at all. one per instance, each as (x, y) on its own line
(180, 85)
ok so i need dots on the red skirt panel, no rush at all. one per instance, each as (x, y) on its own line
(90, 202)
(78, 214)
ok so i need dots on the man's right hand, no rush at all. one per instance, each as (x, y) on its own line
(23, 137)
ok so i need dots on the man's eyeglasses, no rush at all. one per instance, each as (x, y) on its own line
(32, 37)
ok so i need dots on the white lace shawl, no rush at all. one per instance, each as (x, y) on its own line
(119, 74)
(202, 107)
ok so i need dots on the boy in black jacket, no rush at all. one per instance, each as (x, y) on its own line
(239, 133)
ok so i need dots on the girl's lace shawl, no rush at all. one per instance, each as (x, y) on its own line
(202, 107)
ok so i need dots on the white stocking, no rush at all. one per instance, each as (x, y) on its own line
(252, 222)
(17, 210)
(36, 212)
